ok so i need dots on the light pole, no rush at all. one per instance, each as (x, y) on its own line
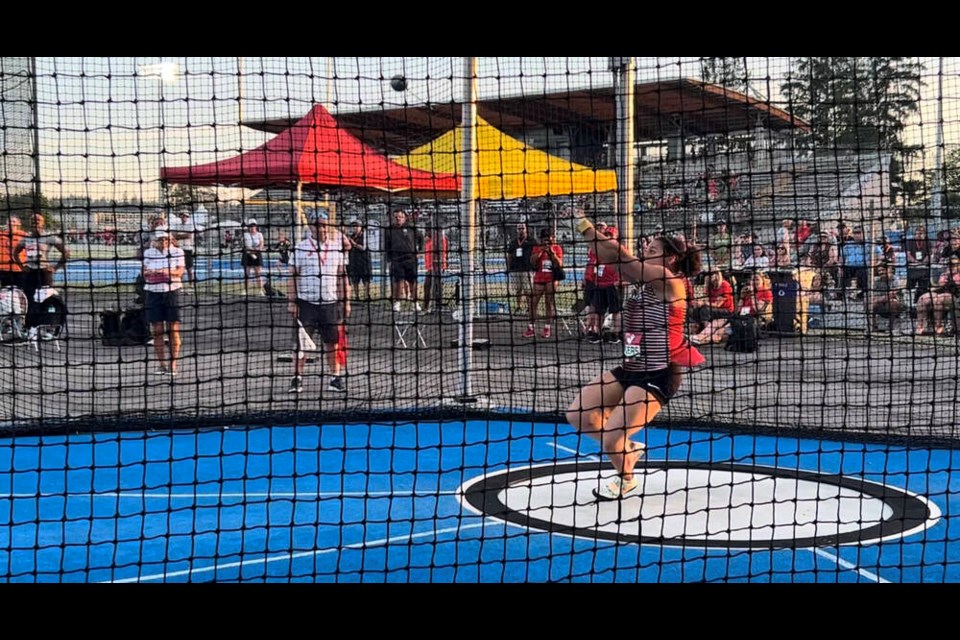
(624, 69)
(167, 72)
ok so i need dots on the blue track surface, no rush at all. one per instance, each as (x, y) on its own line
(379, 503)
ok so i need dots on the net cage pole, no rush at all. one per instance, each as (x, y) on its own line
(624, 71)
(35, 125)
(468, 212)
(939, 175)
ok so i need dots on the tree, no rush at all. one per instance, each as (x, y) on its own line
(855, 102)
(730, 73)
(188, 196)
(950, 196)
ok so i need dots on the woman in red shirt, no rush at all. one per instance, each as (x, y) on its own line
(756, 299)
(718, 303)
(545, 257)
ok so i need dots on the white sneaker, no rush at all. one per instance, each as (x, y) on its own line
(396, 306)
(417, 307)
(617, 489)
(32, 333)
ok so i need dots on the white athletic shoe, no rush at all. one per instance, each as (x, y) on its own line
(417, 307)
(396, 307)
(617, 489)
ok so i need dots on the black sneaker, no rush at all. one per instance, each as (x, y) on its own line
(338, 384)
(611, 338)
(296, 385)
(594, 338)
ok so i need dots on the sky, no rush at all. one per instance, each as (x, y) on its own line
(107, 125)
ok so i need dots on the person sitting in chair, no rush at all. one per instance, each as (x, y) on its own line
(756, 299)
(886, 295)
(940, 299)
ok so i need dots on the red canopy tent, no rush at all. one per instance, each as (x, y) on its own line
(314, 151)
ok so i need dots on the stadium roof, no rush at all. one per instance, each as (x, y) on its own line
(661, 108)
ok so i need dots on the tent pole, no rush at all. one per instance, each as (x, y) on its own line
(298, 224)
(468, 212)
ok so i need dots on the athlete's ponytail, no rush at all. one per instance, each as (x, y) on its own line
(688, 254)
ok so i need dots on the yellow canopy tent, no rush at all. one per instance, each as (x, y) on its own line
(509, 169)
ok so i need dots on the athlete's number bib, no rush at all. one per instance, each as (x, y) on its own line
(547, 266)
(600, 270)
(631, 344)
(519, 252)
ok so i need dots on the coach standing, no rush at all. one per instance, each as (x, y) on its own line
(401, 244)
(317, 288)
(163, 267)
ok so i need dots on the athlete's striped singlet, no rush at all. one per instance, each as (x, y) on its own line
(645, 343)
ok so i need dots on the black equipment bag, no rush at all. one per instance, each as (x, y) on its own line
(744, 334)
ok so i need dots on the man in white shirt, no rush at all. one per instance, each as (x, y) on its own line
(317, 289)
(163, 267)
(185, 233)
(252, 260)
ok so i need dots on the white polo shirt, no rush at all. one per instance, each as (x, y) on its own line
(185, 232)
(253, 241)
(318, 268)
(171, 259)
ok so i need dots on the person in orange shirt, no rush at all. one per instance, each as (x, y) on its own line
(435, 263)
(10, 268)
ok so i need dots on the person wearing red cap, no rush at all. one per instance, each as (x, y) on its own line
(617, 404)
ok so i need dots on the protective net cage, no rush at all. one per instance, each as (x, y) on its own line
(18, 136)
(266, 319)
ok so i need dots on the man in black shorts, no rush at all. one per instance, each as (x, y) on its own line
(401, 243)
(163, 268)
(317, 289)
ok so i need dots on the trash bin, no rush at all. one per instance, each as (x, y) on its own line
(785, 302)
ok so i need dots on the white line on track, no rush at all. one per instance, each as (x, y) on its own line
(307, 554)
(305, 495)
(847, 565)
(573, 451)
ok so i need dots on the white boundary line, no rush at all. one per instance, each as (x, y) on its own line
(249, 494)
(305, 554)
(592, 458)
(840, 562)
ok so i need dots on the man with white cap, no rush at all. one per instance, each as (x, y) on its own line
(317, 290)
(252, 259)
(163, 268)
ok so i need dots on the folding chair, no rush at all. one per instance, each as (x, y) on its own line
(565, 318)
(401, 326)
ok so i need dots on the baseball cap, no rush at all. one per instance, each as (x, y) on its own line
(317, 215)
(251, 222)
(160, 234)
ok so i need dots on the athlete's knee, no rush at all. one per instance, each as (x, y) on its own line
(580, 418)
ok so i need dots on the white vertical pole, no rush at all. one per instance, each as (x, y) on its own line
(468, 211)
(240, 93)
(938, 177)
(329, 105)
(300, 225)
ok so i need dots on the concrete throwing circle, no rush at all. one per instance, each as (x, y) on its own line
(702, 505)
